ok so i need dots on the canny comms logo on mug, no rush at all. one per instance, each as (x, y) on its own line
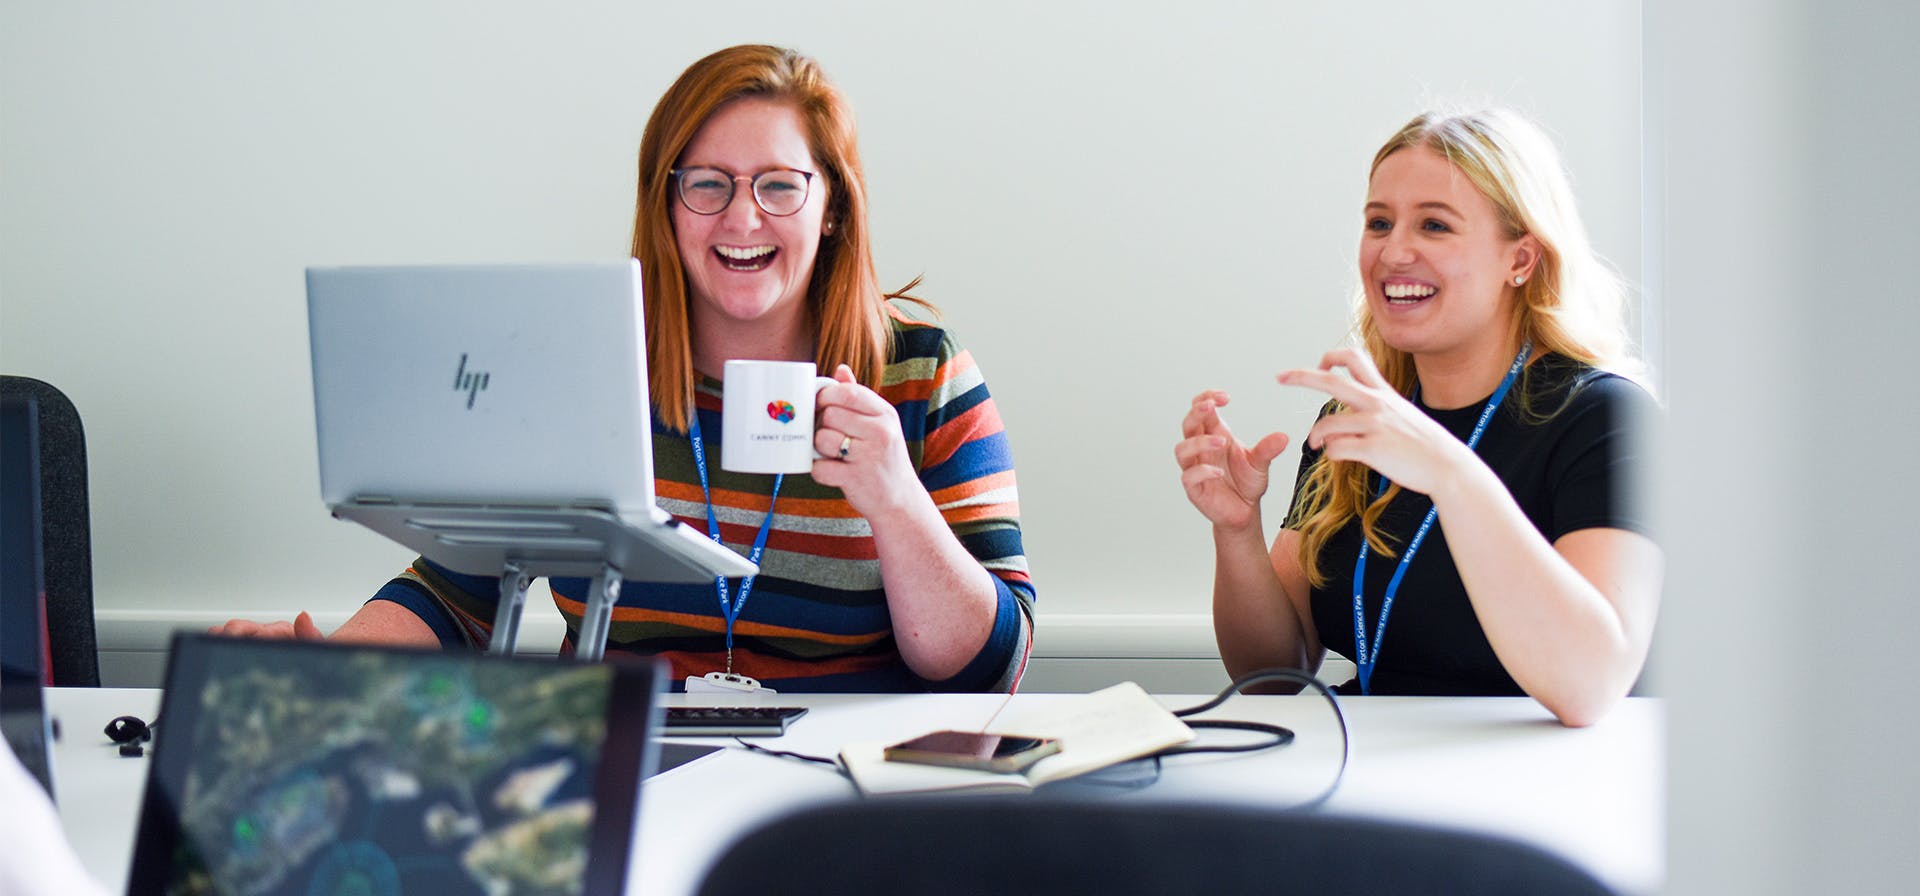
(767, 416)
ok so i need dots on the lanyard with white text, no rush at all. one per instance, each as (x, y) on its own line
(730, 610)
(1365, 658)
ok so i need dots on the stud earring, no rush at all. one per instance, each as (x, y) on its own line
(1519, 280)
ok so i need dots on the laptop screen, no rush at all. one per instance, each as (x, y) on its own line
(284, 767)
(23, 718)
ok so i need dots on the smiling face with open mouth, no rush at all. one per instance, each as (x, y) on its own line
(1436, 259)
(743, 264)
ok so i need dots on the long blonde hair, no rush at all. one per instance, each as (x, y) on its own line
(1572, 304)
(844, 301)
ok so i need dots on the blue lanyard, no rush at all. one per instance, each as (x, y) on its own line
(730, 610)
(1365, 658)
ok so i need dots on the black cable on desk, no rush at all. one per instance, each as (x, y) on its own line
(788, 754)
(1282, 736)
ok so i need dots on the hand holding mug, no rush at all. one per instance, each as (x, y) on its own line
(863, 449)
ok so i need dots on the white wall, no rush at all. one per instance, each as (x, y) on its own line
(1786, 131)
(1117, 204)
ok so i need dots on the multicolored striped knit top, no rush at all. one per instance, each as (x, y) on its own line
(817, 619)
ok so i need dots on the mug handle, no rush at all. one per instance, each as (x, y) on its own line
(820, 382)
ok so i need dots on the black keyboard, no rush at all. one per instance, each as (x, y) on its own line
(723, 721)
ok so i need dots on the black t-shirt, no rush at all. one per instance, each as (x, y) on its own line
(1566, 453)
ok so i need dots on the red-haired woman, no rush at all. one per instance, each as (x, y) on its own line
(897, 563)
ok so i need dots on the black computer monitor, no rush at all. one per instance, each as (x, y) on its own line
(23, 628)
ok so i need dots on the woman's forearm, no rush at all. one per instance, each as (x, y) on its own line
(1571, 623)
(385, 622)
(943, 602)
(1255, 622)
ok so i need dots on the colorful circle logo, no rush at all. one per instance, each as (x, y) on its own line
(780, 410)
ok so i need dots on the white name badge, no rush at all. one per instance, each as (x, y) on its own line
(725, 683)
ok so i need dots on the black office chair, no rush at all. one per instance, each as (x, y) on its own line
(948, 846)
(66, 542)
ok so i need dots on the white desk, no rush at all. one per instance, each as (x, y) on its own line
(1594, 795)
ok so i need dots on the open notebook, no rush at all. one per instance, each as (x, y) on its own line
(1095, 731)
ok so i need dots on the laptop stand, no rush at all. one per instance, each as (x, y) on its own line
(519, 542)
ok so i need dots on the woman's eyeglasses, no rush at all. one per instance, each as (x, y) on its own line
(708, 191)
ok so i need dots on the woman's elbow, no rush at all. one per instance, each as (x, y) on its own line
(1580, 707)
(1579, 716)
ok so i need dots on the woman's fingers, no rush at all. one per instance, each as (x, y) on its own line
(1199, 449)
(1336, 426)
(304, 629)
(847, 394)
(1203, 414)
(1342, 389)
(1361, 387)
(247, 628)
(1211, 491)
(856, 418)
(1223, 479)
(828, 442)
(840, 424)
(1208, 439)
(1268, 448)
(1359, 364)
(855, 422)
(1200, 474)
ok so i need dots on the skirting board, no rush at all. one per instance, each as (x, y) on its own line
(1072, 653)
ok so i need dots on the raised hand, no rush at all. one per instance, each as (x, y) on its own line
(1224, 478)
(1376, 425)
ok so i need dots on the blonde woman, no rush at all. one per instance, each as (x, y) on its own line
(1463, 519)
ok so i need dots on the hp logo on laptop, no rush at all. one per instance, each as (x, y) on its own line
(473, 383)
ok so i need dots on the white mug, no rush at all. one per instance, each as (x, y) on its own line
(766, 418)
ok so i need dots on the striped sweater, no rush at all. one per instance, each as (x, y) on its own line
(817, 618)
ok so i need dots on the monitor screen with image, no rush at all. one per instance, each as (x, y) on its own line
(298, 768)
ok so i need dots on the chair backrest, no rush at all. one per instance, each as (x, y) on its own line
(66, 539)
(935, 846)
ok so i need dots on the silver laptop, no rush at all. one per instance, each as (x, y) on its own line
(491, 414)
